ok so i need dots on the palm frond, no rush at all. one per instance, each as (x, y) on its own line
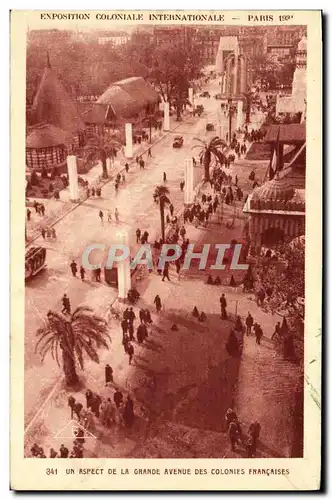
(90, 351)
(79, 352)
(79, 310)
(200, 140)
(160, 191)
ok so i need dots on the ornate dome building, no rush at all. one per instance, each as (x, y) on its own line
(276, 213)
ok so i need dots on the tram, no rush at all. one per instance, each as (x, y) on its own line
(34, 261)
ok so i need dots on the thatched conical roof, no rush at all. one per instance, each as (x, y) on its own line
(47, 136)
(53, 106)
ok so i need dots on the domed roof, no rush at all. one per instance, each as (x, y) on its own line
(302, 46)
(275, 190)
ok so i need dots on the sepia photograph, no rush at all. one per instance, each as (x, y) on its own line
(165, 302)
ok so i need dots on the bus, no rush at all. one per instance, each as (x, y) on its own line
(34, 261)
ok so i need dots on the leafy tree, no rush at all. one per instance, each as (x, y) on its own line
(161, 194)
(208, 150)
(71, 337)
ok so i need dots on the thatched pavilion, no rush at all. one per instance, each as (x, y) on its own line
(55, 126)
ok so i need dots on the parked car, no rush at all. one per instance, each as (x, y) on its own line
(178, 141)
(218, 96)
(209, 127)
(205, 94)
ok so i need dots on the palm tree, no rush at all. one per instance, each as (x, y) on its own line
(71, 336)
(161, 194)
(208, 150)
(100, 149)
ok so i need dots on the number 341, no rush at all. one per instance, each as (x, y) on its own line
(51, 471)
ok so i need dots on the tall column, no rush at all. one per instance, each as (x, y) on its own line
(191, 95)
(236, 61)
(129, 140)
(123, 268)
(239, 114)
(243, 76)
(189, 181)
(166, 116)
(108, 164)
(221, 61)
(229, 76)
(72, 178)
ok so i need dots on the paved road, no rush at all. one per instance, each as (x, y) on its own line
(83, 227)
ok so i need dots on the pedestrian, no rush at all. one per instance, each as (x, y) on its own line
(131, 331)
(64, 452)
(131, 316)
(118, 398)
(127, 167)
(73, 267)
(233, 435)
(77, 409)
(53, 233)
(166, 272)
(116, 214)
(253, 434)
(223, 305)
(43, 233)
(124, 326)
(36, 206)
(71, 404)
(98, 274)
(89, 398)
(98, 192)
(28, 214)
(236, 180)
(137, 160)
(53, 453)
(157, 301)
(128, 414)
(142, 316)
(108, 374)
(138, 235)
(109, 216)
(164, 177)
(171, 209)
(258, 333)
(130, 351)
(101, 215)
(249, 323)
(66, 304)
(42, 209)
(182, 183)
(148, 318)
(277, 331)
(149, 153)
(93, 191)
(82, 273)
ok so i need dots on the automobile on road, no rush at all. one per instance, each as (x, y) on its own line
(178, 141)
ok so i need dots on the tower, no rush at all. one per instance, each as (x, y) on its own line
(299, 89)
